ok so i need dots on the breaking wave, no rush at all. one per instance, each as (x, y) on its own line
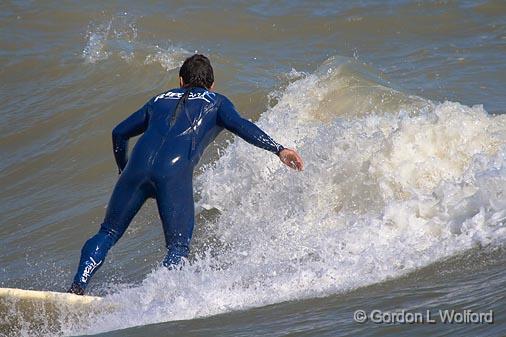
(392, 183)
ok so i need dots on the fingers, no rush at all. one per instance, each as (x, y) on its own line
(295, 162)
(300, 162)
(292, 159)
(294, 165)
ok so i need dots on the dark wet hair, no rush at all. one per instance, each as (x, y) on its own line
(197, 71)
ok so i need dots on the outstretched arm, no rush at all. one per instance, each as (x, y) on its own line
(230, 119)
(130, 127)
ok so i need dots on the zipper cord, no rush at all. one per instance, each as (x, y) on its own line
(181, 104)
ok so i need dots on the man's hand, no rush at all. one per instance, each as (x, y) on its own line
(292, 159)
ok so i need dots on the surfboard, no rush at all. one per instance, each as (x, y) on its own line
(30, 302)
(44, 310)
(13, 294)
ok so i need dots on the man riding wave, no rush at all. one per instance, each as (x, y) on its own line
(176, 128)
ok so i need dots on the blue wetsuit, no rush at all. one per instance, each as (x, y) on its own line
(176, 127)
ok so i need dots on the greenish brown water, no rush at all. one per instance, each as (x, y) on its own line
(401, 206)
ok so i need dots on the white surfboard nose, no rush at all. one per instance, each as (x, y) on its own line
(45, 296)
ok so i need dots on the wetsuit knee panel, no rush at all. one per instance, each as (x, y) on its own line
(100, 243)
(112, 234)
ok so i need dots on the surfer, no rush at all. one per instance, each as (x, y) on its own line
(176, 127)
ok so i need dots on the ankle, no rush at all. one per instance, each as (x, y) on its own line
(76, 289)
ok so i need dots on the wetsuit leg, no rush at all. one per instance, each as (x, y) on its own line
(127, 198)
(174, 199)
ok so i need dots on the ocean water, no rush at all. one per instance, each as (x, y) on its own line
(397, 108)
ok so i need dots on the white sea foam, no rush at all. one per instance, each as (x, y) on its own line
(117, 35)
(95, 46)
(169, 59)
(397, 185)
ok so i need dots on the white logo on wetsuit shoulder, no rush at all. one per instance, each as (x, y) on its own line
(206, 96)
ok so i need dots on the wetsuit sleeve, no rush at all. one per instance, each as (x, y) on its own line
(130, 127)
(230, 119)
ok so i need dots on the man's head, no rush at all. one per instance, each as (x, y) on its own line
(196, 71)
